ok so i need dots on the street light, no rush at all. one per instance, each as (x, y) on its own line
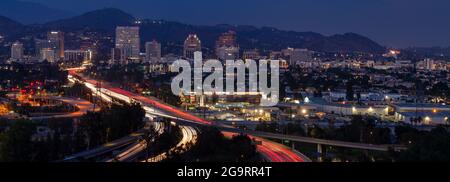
(427, 119)
(304, 111)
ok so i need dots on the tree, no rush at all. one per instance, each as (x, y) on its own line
(16, 144)
(242, 148)
(428, 146)
(268, 127)
(362, 129)
(440, 89)
(213, 146)
(317, 132)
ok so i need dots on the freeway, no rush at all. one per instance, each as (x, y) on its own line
(335, 143)
(275, 152)
(189, 137)
(82, 105)
(107, 148)
(130, 153)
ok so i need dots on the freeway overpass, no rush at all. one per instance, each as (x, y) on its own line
(336, 143)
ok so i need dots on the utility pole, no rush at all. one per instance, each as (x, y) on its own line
(98, 92)
(149, 137)
(319, 152)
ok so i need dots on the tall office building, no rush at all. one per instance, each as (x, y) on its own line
(56, 41)
(41, 44)
(227, 47)
(48, 54)
(128, 41)
(153, 51)
(16, 51)
(192, 44)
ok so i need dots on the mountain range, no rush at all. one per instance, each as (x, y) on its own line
(8, 26)
(174, 33)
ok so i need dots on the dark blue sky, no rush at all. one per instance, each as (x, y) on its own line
(398, 23)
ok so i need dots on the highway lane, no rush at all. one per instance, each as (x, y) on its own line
(114, 145)
(131, 152)
(190, 136)
(276, 153)
(109, 147)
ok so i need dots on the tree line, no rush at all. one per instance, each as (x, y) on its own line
(21, 141)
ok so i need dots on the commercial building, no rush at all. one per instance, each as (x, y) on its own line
(153, 52)
(56, 42)
(48, 54)
(16, 51)
(227, 47)
(77, 55)
(128, 42)
(429, 114)
(192, 44)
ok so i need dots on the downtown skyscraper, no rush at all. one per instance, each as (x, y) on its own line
(128, 42)
(227, 47)
(192, 44)
(56, 41)
(153, 51)
(16, 51)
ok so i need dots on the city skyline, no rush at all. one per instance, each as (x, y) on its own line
(388, 22)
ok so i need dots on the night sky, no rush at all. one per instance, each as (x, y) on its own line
(398, 23)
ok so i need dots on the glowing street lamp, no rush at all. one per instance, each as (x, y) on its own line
(427, 119)
(304, 111)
